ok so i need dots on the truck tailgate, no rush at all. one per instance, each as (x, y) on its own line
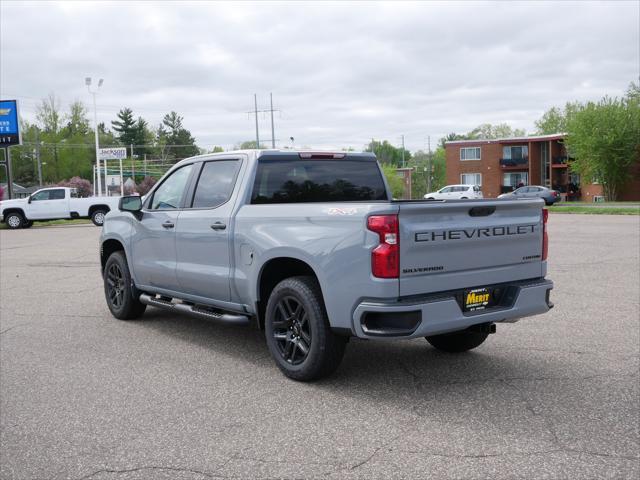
(464, 244)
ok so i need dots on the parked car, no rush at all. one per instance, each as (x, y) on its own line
(534, 191)
(455, 192)
(53, 204)
(312, 248)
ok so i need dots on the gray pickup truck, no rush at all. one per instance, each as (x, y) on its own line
(312, 248)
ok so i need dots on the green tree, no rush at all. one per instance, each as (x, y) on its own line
(176, 141)
(419, 179)
(554, 120)
(386, 153)
(604, 139)
(216, 149)
(452, 137)
(488, 131)
(125, 127)
(395, 182)
(248, 145)
(77, 121)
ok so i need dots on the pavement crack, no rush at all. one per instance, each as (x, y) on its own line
(532, 410)
(14, 326)
(151, 467)
(375, 452)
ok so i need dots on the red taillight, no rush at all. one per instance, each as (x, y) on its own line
(545, 237)
(554, 193)
(385, 258)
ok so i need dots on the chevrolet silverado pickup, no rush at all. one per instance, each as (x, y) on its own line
(54, 203)
(313, 249)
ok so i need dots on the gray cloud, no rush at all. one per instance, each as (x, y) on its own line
(340, 73)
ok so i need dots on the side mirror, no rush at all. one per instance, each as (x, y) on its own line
(29, 200)
(132, 203)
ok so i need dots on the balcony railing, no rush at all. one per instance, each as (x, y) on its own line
(560, 160)
(514, 162)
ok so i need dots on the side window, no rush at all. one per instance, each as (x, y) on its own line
(57, 194)
(445, 190)
(169, 194)
(215, 183)
(42, 195)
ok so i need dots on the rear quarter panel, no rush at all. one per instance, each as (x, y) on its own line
(331, 238)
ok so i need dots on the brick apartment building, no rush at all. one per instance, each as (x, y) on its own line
(500, 165)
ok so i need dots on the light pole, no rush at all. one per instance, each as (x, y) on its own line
(93, 93)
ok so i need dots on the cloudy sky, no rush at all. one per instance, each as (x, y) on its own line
(340, 74)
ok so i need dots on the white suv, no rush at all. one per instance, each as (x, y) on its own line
(455, 192)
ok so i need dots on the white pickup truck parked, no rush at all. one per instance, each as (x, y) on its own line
(53, 204)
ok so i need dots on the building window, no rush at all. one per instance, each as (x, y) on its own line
(514, 179)
(515, 153)
(471, 179)
(470, 153)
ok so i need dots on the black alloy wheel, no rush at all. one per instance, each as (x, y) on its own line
(292, 331)
(115, 286)
(298, 332)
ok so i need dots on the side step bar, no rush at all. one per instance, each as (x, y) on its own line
(195, 310)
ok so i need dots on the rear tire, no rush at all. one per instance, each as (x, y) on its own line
(97, 217)
(14, 220)
(298, 333)
(119, 290)
(457, 342)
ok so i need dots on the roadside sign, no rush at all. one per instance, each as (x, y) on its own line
(119, 153)
(9, 123)
(113, 180)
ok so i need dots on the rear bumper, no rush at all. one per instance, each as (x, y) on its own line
(441, 313)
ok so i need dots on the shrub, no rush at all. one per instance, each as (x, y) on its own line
(83, 186)
(145, 185)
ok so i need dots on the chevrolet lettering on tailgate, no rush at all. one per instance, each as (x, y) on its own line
(475, 233)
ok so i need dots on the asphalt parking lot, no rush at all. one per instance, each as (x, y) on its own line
(85, 396)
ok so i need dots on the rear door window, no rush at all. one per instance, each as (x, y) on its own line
(294, 180)
(57, 194)
(215, 183)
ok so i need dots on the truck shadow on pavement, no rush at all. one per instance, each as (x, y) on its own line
(377, 366)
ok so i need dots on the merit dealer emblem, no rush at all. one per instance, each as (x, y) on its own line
(477, 299)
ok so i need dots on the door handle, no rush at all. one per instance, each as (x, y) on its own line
(218, 226)
(168, 224)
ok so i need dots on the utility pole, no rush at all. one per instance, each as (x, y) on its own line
(273, 134)
(255, 112)
(429, 164)
(38, 157)
(402, 151)
(7, 163)
(255, 103)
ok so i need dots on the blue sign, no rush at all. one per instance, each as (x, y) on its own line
(9, 123)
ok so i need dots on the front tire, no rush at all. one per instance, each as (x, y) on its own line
(97, 217)
(14, 220)
(119, 289)
(298, 333)
(457, 342)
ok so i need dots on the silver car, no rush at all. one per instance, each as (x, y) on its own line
(534, 191)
